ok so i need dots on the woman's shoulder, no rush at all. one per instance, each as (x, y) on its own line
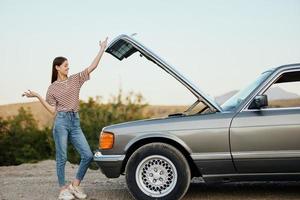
(52, 86)
(72, 76)
(75, 76)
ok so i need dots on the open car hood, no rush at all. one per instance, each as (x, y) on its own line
(124, 46)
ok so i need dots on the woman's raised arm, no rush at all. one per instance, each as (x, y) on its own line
(96, 60)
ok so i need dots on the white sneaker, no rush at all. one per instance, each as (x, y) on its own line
(77, 191)
(65, 195)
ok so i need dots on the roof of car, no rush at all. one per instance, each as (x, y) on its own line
(288, 66)
(284, 67)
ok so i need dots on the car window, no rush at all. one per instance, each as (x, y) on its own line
(285, 91)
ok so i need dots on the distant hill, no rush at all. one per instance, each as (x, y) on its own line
(44, 118)
(224, 97)
(275, 93)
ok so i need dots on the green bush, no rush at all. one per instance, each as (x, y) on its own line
(21, 140)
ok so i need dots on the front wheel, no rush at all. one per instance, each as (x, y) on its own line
(157, 171)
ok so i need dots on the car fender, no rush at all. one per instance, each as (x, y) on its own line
(157, 135)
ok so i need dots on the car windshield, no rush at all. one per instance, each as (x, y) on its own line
(239, 97)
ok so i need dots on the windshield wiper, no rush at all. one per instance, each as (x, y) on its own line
(176, 114)
(186, 111)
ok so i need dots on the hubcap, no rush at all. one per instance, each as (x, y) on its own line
(156, 176)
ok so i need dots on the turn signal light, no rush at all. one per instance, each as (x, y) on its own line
(106, 140)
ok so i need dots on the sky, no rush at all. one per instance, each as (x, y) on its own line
(219, 45)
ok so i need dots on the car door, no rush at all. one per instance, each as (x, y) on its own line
(267, 140)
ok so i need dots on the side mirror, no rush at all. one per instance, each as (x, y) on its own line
(260, 101)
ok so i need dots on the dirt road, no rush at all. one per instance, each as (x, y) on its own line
(38, 182)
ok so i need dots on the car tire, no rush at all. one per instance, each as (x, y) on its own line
(157, 171)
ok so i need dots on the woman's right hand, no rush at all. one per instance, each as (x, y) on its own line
(30, 94)
(103, 44)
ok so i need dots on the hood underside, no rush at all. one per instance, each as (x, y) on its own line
(124, 46)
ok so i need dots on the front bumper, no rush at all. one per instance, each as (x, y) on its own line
(110, 165)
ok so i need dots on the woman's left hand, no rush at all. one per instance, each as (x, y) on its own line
(103, 44)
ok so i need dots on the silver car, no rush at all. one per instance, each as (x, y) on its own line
(244, 139)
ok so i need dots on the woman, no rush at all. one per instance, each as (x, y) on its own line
(63, 99)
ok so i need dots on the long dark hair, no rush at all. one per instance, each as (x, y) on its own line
(56, 62)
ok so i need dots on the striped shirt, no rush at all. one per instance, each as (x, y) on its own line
(64, 95)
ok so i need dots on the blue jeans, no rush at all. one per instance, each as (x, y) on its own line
(67, 127)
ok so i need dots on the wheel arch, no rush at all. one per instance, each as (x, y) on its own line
(178, 144)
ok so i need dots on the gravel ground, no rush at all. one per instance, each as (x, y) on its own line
(38, 181)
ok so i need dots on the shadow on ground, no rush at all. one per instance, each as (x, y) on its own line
(248, 190)
(232, 191)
